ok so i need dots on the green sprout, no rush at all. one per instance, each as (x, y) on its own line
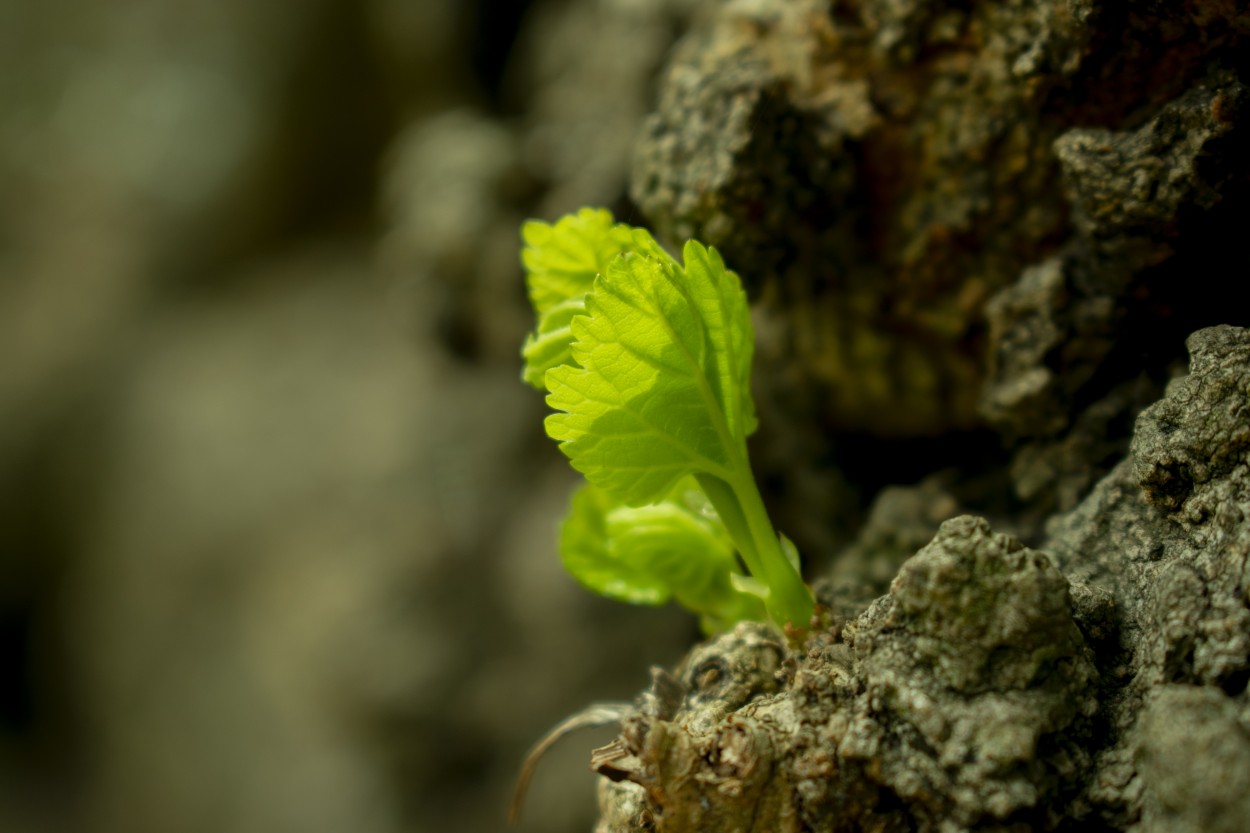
(647, 364)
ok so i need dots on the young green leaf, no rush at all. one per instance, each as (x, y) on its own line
(653, 393)
(645, 555)
(561, 262)
(657, 389)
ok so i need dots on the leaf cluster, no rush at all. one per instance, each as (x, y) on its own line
(647, 361)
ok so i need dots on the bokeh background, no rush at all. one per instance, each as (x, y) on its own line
(277, 517)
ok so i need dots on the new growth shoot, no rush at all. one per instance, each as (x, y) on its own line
(647, 364)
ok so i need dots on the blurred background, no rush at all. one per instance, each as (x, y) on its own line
(277, 517)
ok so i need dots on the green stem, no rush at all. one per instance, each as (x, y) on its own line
(726, 504)
(789, 599)
(742, 510)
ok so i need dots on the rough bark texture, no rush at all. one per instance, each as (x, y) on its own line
(996, 687)
(880, 169)
(1004, 217)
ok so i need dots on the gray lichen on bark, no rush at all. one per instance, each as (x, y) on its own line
(1132, 194)
(960, 697)
(1194, 758)
(994, 686)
